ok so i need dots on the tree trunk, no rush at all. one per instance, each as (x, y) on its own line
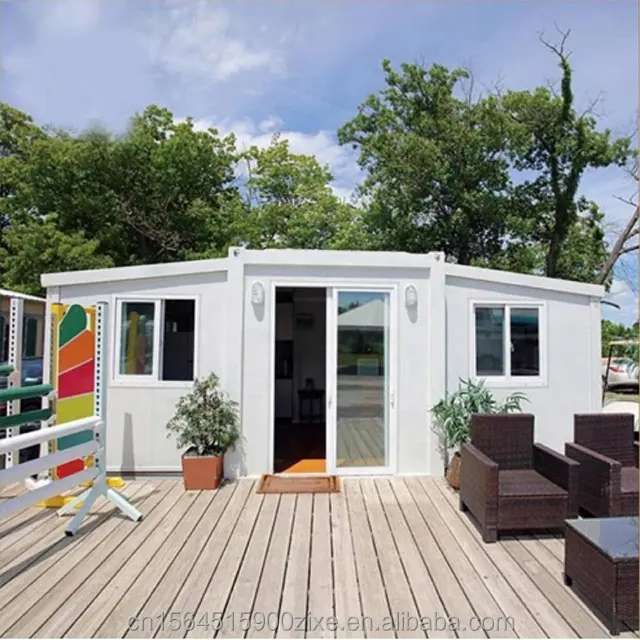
(617, 249)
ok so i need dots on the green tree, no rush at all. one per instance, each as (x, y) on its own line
(437, 176)
(40, 247)
(548, 137)
(289, 203)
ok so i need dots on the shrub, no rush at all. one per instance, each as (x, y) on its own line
(206, 419)
(453, 413)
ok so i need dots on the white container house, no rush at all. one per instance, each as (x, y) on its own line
(335, 357)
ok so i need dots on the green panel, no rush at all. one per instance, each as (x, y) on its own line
(66, 442)
(21, 393)
(5, 369)
(24, 418)
(73, 323)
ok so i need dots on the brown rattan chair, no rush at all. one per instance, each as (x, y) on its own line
(510, 483)
(605, 447)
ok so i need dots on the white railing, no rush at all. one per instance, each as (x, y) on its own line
(22, 471)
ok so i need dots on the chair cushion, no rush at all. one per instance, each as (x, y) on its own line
(526, 482)
(629, 479)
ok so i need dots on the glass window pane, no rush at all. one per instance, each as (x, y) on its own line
(4, 339)
(30, 337)
(178, 343)
(362, 379)
(490, 341)
(525, 342)
(136, 338)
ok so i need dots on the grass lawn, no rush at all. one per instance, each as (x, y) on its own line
(621, 396)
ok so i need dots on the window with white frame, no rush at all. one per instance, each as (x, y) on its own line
(507, 341)
(155, 339)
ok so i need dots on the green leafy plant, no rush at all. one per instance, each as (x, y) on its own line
(453, 413)
(206, 419)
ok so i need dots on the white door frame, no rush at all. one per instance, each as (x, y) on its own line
(332, 387)
(330, 285)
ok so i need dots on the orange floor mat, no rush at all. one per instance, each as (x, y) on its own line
(308, 465)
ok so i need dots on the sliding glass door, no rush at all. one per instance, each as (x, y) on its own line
(361, 388)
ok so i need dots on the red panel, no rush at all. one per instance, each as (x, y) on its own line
(76, 382)
(69, 468)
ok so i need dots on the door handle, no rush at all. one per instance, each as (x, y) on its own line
(329, 401)
(392, 399)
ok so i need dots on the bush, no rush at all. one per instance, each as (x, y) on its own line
(453, 413)
(206, 419)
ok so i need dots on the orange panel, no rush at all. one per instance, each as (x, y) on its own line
(308, 465)
(79, 350)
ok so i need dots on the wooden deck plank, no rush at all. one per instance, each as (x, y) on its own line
(373, 597)
(267, 602)
(534, 617)
(147, 567)
(192, 590)
(346, 597)
(471, 581)
(544, 559)
(27, 567)
(223, 576)
(58, 557)
(453, 597)
(383, 546)
(62, 590)
(149, 613)
(582, 624)
(424, 590)
(243, 592)
(131, 555)
(293, 609)
(556, 570)
(321, 607)
(395, 581)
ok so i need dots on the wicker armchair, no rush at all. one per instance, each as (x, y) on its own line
(510, 483)
(605, 447)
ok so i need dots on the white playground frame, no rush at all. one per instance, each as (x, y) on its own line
(97, 474)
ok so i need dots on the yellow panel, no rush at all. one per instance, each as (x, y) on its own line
(74, 408)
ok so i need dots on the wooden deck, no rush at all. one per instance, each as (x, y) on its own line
(381, 554)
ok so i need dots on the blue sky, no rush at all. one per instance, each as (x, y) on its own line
(303, 67)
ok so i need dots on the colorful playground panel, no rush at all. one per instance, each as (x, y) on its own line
(74, 368)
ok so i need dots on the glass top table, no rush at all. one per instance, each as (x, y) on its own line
(615, 537)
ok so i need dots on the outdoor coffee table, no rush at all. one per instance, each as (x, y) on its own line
(601, 557)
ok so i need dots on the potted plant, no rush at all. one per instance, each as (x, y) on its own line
(206, 423)
(453, 419)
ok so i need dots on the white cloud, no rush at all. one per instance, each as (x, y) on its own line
(621, 294)
(321, 144)
(194, 39)
(69, 17)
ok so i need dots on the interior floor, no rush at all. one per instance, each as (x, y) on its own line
(300, 448)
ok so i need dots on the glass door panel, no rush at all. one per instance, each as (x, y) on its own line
(361, 379)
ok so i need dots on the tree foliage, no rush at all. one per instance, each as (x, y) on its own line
(492, 180)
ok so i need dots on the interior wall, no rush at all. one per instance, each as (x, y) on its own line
(309, 341)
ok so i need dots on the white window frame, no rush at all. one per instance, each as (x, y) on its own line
(507, 380)
(153, 379)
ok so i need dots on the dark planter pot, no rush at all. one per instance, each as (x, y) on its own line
(453, 471)
(202, 472)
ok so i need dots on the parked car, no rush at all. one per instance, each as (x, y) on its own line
(32, 370)
(623, 374)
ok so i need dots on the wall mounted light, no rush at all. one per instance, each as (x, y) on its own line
(410, 296)
(257, 293)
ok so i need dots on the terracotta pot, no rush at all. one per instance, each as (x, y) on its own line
(453, 471)
(202, 472)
